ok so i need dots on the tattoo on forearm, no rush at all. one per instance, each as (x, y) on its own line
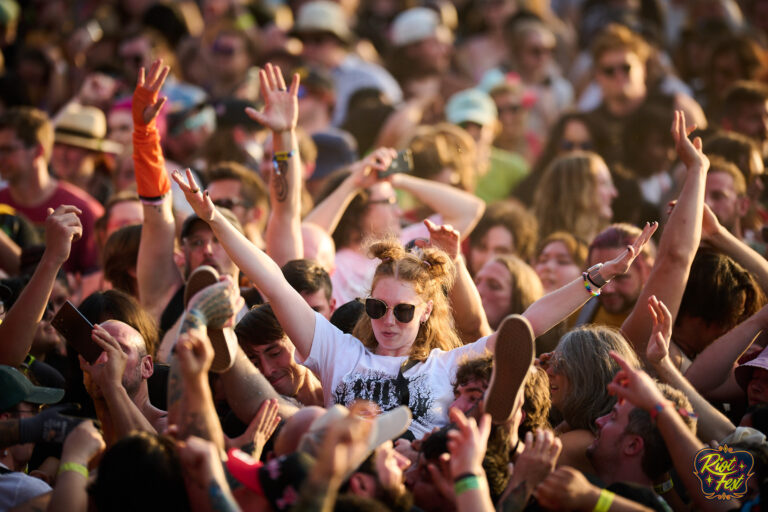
(278, 180)
(219, 500)
(175, 389)
(517, 499)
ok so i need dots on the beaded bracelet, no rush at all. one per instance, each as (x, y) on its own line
(73, 466)
(282, 156)
(592, 292)
(682, 411)
(604, 501)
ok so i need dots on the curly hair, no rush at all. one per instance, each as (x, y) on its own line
(566, 199)
(589, 368)
(430, 272)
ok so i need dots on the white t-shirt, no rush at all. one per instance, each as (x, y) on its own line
(349, 371)
(17, 488)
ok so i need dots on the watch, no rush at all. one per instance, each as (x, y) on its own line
(595, 277)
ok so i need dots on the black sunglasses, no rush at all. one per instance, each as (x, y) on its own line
(376, 309)
(612, 70)
(228, 203)
(568, 145)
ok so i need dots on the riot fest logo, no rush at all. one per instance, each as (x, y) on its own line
(723, 472)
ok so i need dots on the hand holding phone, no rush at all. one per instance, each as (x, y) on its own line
(76, 329)
(402, 163)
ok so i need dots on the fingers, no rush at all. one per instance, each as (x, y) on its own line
(157, 107)
(160, 80)
(255, 115)
(295, 85)
(64, 209)
(140, 79)
(104, 339)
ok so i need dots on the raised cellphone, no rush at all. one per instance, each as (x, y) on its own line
(76, 329)
(402, 163)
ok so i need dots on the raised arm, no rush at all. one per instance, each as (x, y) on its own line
(722, 240)
(364, 173)
(715, 364)
(638, 388)
(712, 424)
(460, 209)
(679, 241)
(292, 311)
(281, 115)
(157, 275)
(18, 328)
(554, 307)
(469, 316)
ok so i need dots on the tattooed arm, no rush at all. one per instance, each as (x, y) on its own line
(190, 402)
(281, 115)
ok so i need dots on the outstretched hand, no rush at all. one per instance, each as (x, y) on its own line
(200, 202)
(623, 261)
(281, 105)
(634, 385)
(658, 344)
(146, 104)
(444, 237)
(62, 227)
(689, 151)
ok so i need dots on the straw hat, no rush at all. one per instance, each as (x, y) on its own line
(84, 127)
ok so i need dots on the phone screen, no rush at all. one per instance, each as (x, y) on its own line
(402, 163)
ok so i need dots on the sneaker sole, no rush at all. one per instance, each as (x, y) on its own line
(512, 360)
(223, 341)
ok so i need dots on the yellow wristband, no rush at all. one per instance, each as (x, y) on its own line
(73, 466)
(604, 501)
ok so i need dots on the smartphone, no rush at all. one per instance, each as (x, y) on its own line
(402, 163)
(76, 329)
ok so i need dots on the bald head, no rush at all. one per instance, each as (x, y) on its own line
(318, 245)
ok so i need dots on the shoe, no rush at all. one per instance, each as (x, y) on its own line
(223, 340)
(512, 360)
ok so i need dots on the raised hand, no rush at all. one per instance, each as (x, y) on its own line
(365, 172)
(259, 431)
(146, 104)
(194, 354)
(200, 462)
(443, 237)
(537, 461)
(567, 489)
(107, 371)
(623, 261)
(634, 385)
(467, 445)
(281, 105)
(199, 201)
(83, 444)
(62, 227)
(658, 344)
(689, 152)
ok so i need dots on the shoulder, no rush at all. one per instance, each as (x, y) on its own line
(69, 194)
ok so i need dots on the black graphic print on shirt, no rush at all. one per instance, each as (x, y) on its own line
(380, 388)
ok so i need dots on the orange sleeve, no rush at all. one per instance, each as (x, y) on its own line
(149, 165)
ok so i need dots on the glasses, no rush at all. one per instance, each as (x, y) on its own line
(514, 109)
(568, 145)
(228, 202)
(539, 51)
(376, 309)
(386, 200)
(611, 71)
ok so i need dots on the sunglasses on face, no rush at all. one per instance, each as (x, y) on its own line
(376, 309)
(228, 202)
(611, 71)
(568, 145)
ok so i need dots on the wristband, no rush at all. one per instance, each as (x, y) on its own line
(73, 466)
(467, 483)
(282, 156)
(589, 289)
(604, 501)
(660, 407)
(463, 476)
(664, 487)
(595, 277)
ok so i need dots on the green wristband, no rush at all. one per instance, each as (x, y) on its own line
(73, 466)
(604, 501)
(466, 484)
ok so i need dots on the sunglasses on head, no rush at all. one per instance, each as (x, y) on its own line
(612, 70)
(376, 309)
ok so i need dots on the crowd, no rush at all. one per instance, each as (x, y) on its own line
(433, 255)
